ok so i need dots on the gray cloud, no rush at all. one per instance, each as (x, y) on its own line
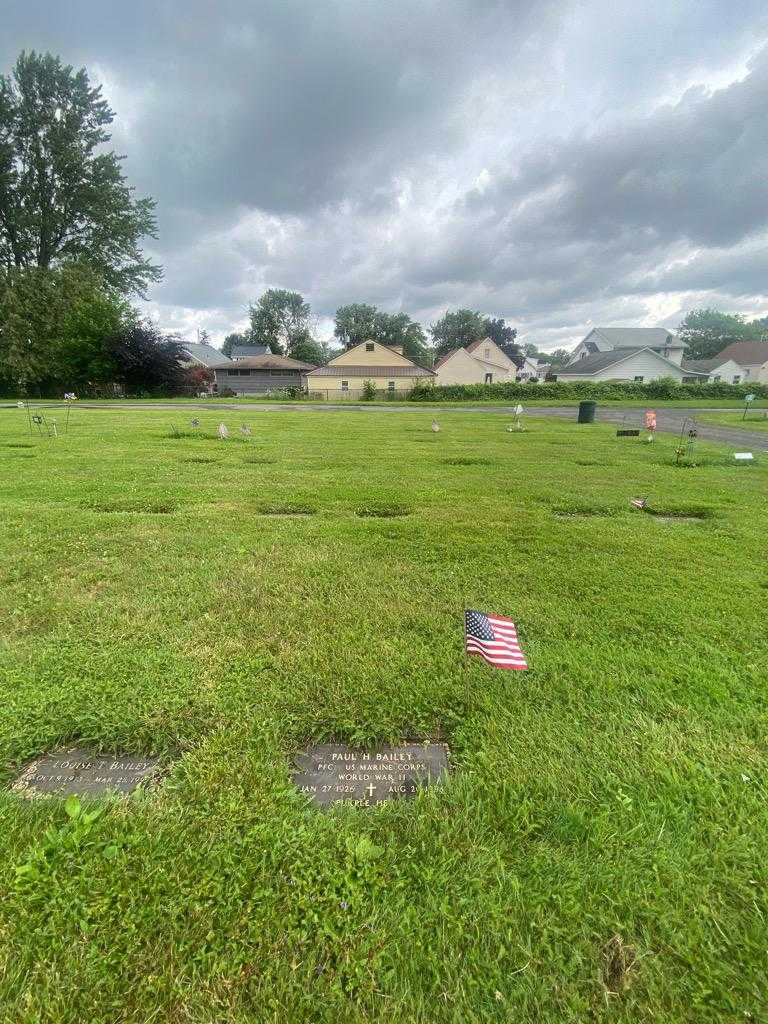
(552, 162)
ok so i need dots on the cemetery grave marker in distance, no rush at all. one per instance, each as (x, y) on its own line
(330, 773)
(79, 772)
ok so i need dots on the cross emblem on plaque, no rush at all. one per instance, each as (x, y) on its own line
(370, 788)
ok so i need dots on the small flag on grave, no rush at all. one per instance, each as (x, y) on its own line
(494, 638)
(223, 431)
(638, 502)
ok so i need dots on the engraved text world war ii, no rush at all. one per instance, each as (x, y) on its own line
(331, 772)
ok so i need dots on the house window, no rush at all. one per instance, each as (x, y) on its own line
(638, 380)
(238, 373)
(390, 385)
(487, 353)
(489, 378)
(369, 347)
(345, 385)
(737, 378)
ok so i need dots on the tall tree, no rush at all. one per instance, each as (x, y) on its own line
(62, 197)
(53, 327)
(146, 359)
(280, 319)
(230, 341)
(359, 322)
(456, 330)
(706, 332)
(398, 330)
(355, 323)
(306, 349)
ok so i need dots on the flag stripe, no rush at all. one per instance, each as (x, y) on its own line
(493, 638)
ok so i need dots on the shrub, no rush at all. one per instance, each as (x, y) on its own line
(369, 391)
(608, 390)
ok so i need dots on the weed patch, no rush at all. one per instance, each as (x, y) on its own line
(466, 462)
(383, 511)
(579, 511)
(289, 509)
(145, 507)
(694, 514)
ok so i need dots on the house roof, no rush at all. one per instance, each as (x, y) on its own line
(246, 351)
(602, 360)
(206, 354)
(266, 362)
(703, 365)
(746, 353)
(634, 337)
(371, 371)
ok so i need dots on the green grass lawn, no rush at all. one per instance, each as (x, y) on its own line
(757, 419)
(618, 788)
(537, 398)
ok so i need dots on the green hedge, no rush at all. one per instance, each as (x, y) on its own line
(509, 391)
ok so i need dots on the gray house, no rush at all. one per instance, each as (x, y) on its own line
(248, 351)
(256, 375)
(203, 355)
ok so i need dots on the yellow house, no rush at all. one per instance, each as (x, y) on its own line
(384, 365)
(481, 362)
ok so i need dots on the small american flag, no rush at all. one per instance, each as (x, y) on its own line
(493, 638)
(638, 502)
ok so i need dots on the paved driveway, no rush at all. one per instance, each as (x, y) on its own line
(669, 420)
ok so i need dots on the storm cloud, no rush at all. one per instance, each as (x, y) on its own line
(556, 163)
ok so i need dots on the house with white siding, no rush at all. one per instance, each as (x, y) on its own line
(752, 357)
(718, 370)
(638, 354)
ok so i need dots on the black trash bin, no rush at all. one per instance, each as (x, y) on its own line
(587, 412)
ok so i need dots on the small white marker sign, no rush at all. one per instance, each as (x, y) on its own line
(749, 398)
(743, 456)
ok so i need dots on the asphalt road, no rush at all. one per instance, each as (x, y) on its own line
(668, 420)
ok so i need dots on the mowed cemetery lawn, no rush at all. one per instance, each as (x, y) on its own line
(600, 849)
(757, 419)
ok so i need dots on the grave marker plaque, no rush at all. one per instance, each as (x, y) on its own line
(333, 772)
(76, 771)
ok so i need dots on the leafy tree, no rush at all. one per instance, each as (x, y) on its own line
(147, 360)
(305, 348)
(53, 326)
(199, 377)
(280, 319)
(230, 341)
(359, 322)
(457, 330)
(530, 350)
(398, 330)
(355, 323)
(62, 197)
(706, 332)
(560, 357)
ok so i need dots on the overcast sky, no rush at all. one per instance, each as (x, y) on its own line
(560, 164)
